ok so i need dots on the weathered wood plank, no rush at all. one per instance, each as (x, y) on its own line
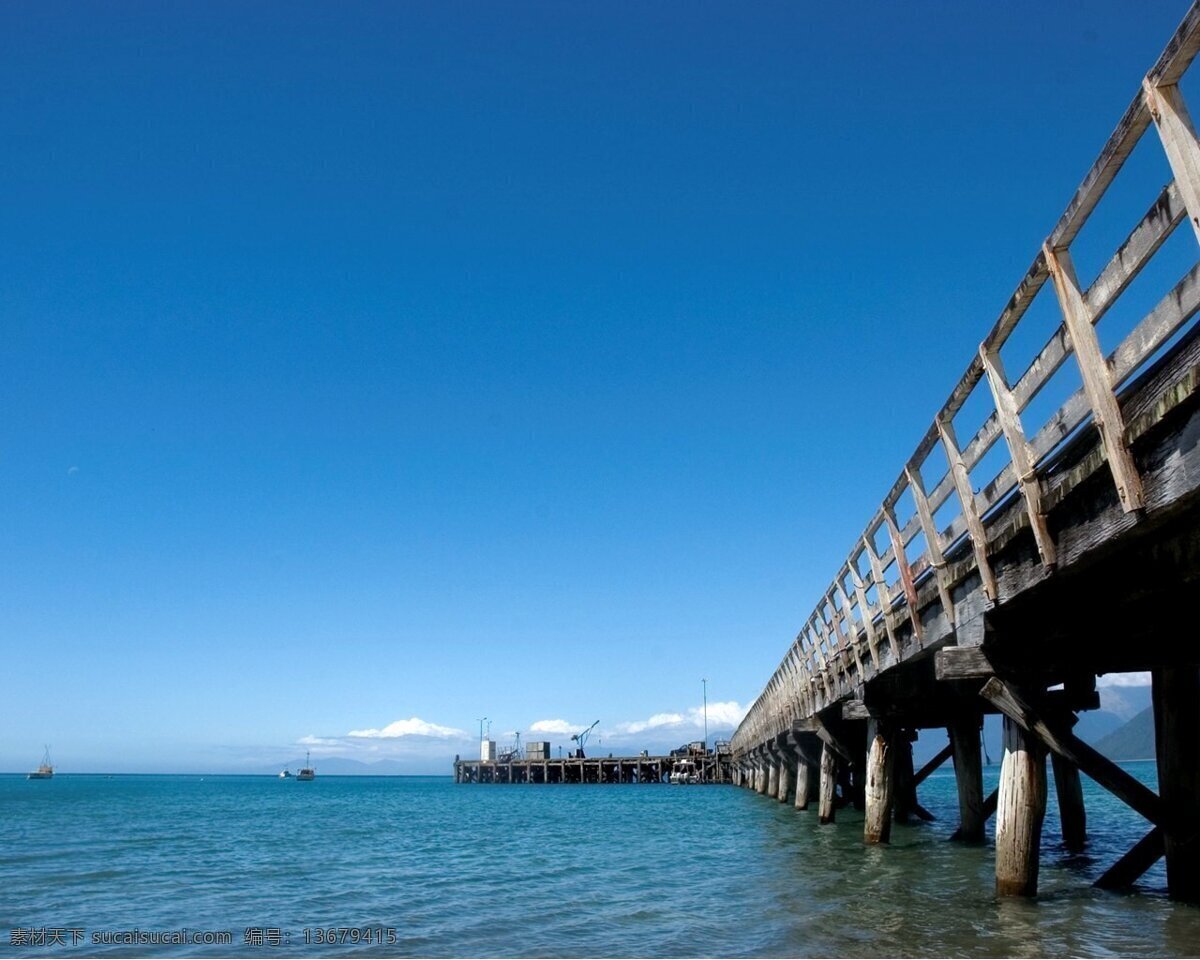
(906, 577)
(962, 663)
(1143, 855)
(1178, 136)
(970, 512)
(1097, 381)
(933, 545)
(1019, 453)
(936, 761)
(881, 591)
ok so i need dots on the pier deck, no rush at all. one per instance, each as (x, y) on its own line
(715, 768)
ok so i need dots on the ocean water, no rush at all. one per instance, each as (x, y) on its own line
(532, 870)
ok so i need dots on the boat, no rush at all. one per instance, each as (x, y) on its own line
(684, 771)
(285, 774)
(45, 769)
(306, 771)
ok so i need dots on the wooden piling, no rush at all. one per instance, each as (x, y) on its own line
(877, 824)
(1021, 807)
(904, 790)
(828, 786)
(1071, 811)
(968, 776)
(784, 777)
(807, 777)
(1176, 693)
(772, 778)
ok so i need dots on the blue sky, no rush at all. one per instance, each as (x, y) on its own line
(532, 361)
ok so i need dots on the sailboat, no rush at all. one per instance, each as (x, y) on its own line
(45, 770)
(306, 771)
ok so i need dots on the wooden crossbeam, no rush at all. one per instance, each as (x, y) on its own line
(1097, 766)
(990, 803)
(942, 756)
(843, 619)
(864, 608)
(1018, 450)
(1143, 855)
(906, 577)
(881, 591)
(1178, 136)
(1097, 379)
(835, 742)
(933, 541)
(962, 663)
(970, 509)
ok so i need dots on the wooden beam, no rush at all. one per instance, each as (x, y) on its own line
(881, 591)
(942, 756)
(1170, 114)
(851, 629)
(831, 740)
(1020, 811)
(970, 510)
(827, 788)
(962, 663)
(1176, 696)
(855, 710)
(968, 777)
(933, 541)
(1097, 379)
(1009, 416)
(1072, 813)
(843, 625)
(1097, 766)
(1144, 854)
(864, 608)
(906, 577)
(880, 769)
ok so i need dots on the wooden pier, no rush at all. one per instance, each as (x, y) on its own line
(981, 588)
(714, 768)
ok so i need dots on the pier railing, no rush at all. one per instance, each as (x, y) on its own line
(867, 620)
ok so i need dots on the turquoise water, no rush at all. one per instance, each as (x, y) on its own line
(541, 871)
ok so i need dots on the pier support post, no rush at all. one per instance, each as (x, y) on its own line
(1020, 810)
(828, 788)
(968, 775)
(807, 778)
(773, 778)
(1071, 811)
(760, 785)
(803, 779)
(784, 777)
(904, 790)
(881, 741)
(1176, 693)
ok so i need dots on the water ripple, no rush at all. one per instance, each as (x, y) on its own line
(505, 871)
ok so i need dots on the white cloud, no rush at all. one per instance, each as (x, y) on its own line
(657, 722)
(726, 713)
(721, 713)
(560, 727)
(412, 727)
(1141, 679)
(311, 741)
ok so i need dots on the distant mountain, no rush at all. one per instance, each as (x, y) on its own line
(1132, 741)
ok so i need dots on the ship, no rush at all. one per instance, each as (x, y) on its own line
(45, 769)
(306, 771)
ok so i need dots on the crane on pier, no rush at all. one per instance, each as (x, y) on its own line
(581, 738)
